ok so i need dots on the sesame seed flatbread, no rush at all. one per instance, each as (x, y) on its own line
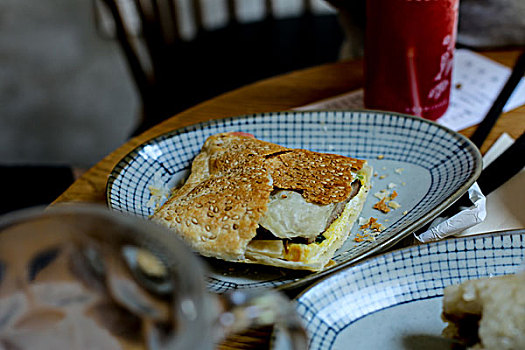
(241, 189)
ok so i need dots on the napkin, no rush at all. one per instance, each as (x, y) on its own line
(466, 218)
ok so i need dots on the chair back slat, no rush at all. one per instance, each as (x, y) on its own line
(149, 29)
(268, 4)
(307, 6)
(142, 78)
(173, 19)
(232, 13)
(197, 15)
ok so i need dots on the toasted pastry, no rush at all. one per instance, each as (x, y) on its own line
(252, 201)
(486, 313)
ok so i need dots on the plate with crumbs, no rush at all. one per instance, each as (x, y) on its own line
(427, 166)
(395, 300)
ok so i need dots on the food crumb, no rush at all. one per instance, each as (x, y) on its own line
(382, 177)
(377, 227)
(399, 170)
(394, 205)
(371, 229)
(381, 206)
(380, 156)
(362, 221)
(405, 212)
(361, 238)
(381, 194)
(367, 223)
(159, 192)
(391, 185)
(364, 237)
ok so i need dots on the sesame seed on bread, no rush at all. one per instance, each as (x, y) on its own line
(218, 208)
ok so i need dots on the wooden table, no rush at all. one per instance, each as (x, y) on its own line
(275, 94)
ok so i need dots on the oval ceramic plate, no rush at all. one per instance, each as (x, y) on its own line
(427, 165)
(394, 301)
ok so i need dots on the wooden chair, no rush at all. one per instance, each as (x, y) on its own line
(173, 73)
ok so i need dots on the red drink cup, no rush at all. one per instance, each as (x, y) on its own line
(408, 55)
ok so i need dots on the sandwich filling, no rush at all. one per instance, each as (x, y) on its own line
(248, 200)
(289, 215)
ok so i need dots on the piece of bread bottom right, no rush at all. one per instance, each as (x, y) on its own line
(486, 313)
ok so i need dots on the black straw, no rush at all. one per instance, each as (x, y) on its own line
(508, 164)
(493, 114)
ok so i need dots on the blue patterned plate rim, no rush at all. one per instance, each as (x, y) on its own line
(368, 260)
(333, 281)
(414, 226)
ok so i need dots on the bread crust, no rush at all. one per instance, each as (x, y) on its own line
(218, 208)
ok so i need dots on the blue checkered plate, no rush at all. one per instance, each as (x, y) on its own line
(394, 301)
(428, 165)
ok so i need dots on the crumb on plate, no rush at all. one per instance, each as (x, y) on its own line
(382, 206)
(394, 205)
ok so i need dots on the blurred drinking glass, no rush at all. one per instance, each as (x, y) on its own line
(86, 278)
(409, 46)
